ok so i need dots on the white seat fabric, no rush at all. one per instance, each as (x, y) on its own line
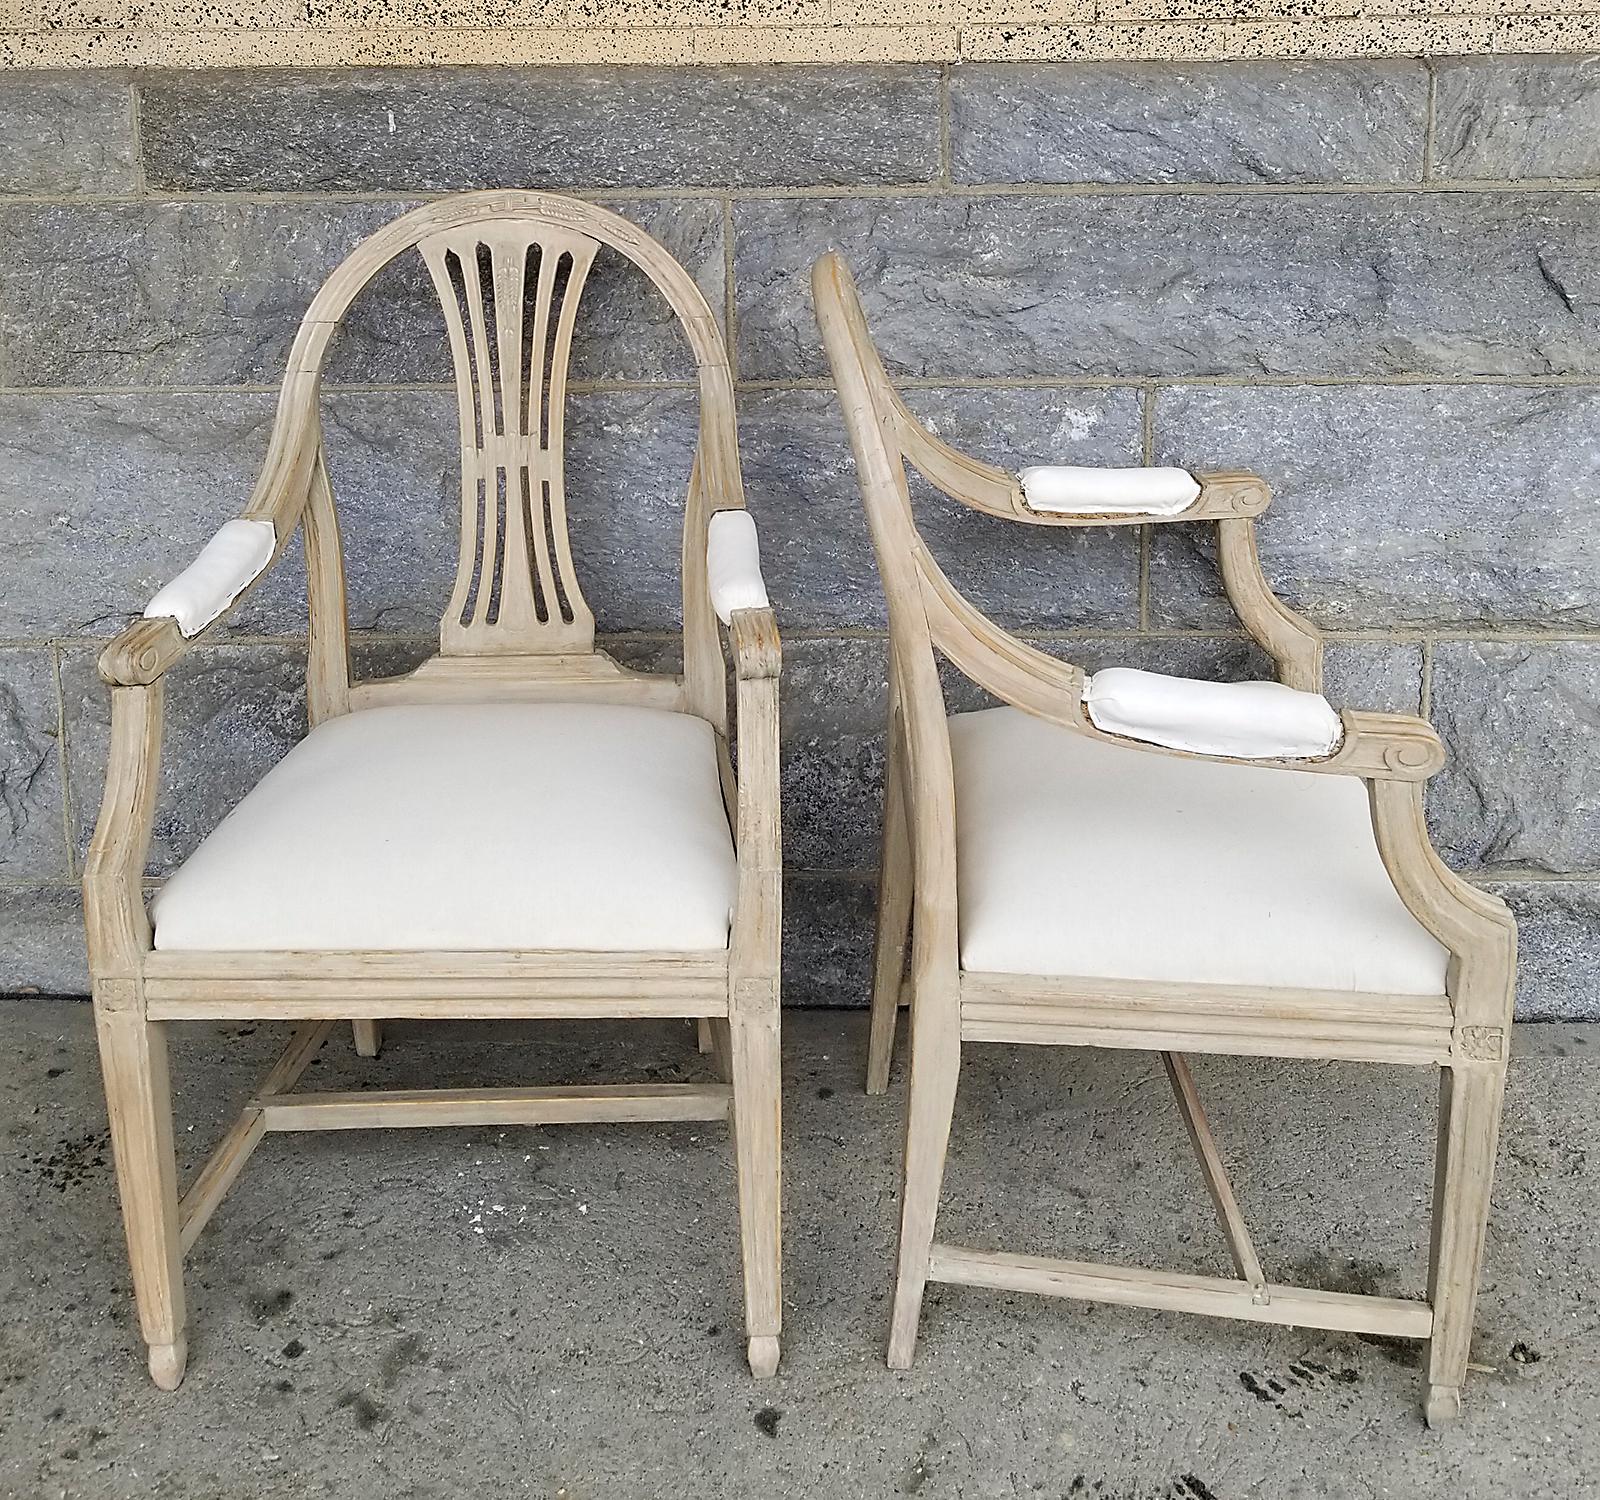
(1076, 858)
(1248, 720)
(1077, 490)
(470, 826)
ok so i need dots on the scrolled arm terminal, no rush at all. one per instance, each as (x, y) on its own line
(239, 553)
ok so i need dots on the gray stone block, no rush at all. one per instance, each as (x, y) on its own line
(1323, 121)
(816, 553)
(210, 293)
(1558, 948)
(1522, 786)
(628, 462)
(66, 133)
(1397, 505)
(834, 696)
(103, 498)
(41, 941)
(442, 130)
(828, 927)
(1373, 675)
(1177, 284)
(32, 828)
(1516, 117)
(232, 712)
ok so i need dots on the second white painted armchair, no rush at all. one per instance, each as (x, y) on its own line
(1137, 861)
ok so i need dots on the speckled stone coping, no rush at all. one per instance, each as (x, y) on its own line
(321, 33)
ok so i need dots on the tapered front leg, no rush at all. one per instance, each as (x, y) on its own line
(368, 1037)
(133, 1059)
(894, 927)
(935, 1067)
(1469, 1126)
(757, 1127)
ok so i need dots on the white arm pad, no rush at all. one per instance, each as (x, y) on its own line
(1245, 720)
(733, 564)
(227, 565)
(1068, 490)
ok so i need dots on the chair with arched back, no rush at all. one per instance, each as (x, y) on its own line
(1138, 861)
(520, 827)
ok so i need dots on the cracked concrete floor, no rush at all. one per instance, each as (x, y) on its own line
(555, 1312)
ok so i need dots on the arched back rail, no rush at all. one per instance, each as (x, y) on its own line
(509, 269)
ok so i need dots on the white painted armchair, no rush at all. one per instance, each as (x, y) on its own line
(1137, 861)
(518, 828)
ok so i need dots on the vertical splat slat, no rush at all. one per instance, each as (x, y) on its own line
(437, 255)
(539, 550)
(519, 599)
(533, 415)
(571, 601)
(490, 560)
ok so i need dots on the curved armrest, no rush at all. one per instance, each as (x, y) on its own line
(733, 564)
(227, 566)
(1091, 496)
(1067, 495)
(1241, 720)
(1076, 490)
(1265, 723)
(1375, 747)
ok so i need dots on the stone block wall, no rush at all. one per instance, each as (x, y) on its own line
(1378, 282)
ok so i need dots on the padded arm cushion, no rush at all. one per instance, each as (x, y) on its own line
(227, 565)
(733, 564)
(1245, 720)
(1067, 490)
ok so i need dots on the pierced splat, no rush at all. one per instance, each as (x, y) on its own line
(510, 294)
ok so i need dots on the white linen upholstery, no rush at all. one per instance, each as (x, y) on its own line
(470, 826)
(227, 565)
(733, 564)
(1078, 858)
(1072, 490)
(1248, 720)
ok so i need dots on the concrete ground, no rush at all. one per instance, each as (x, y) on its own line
(555, 1312)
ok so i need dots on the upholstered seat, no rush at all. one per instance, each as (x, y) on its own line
(502, 826)
(1079, 858)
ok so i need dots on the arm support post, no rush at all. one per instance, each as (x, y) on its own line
(116, 921)
(1292, 641)
(757, 658)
